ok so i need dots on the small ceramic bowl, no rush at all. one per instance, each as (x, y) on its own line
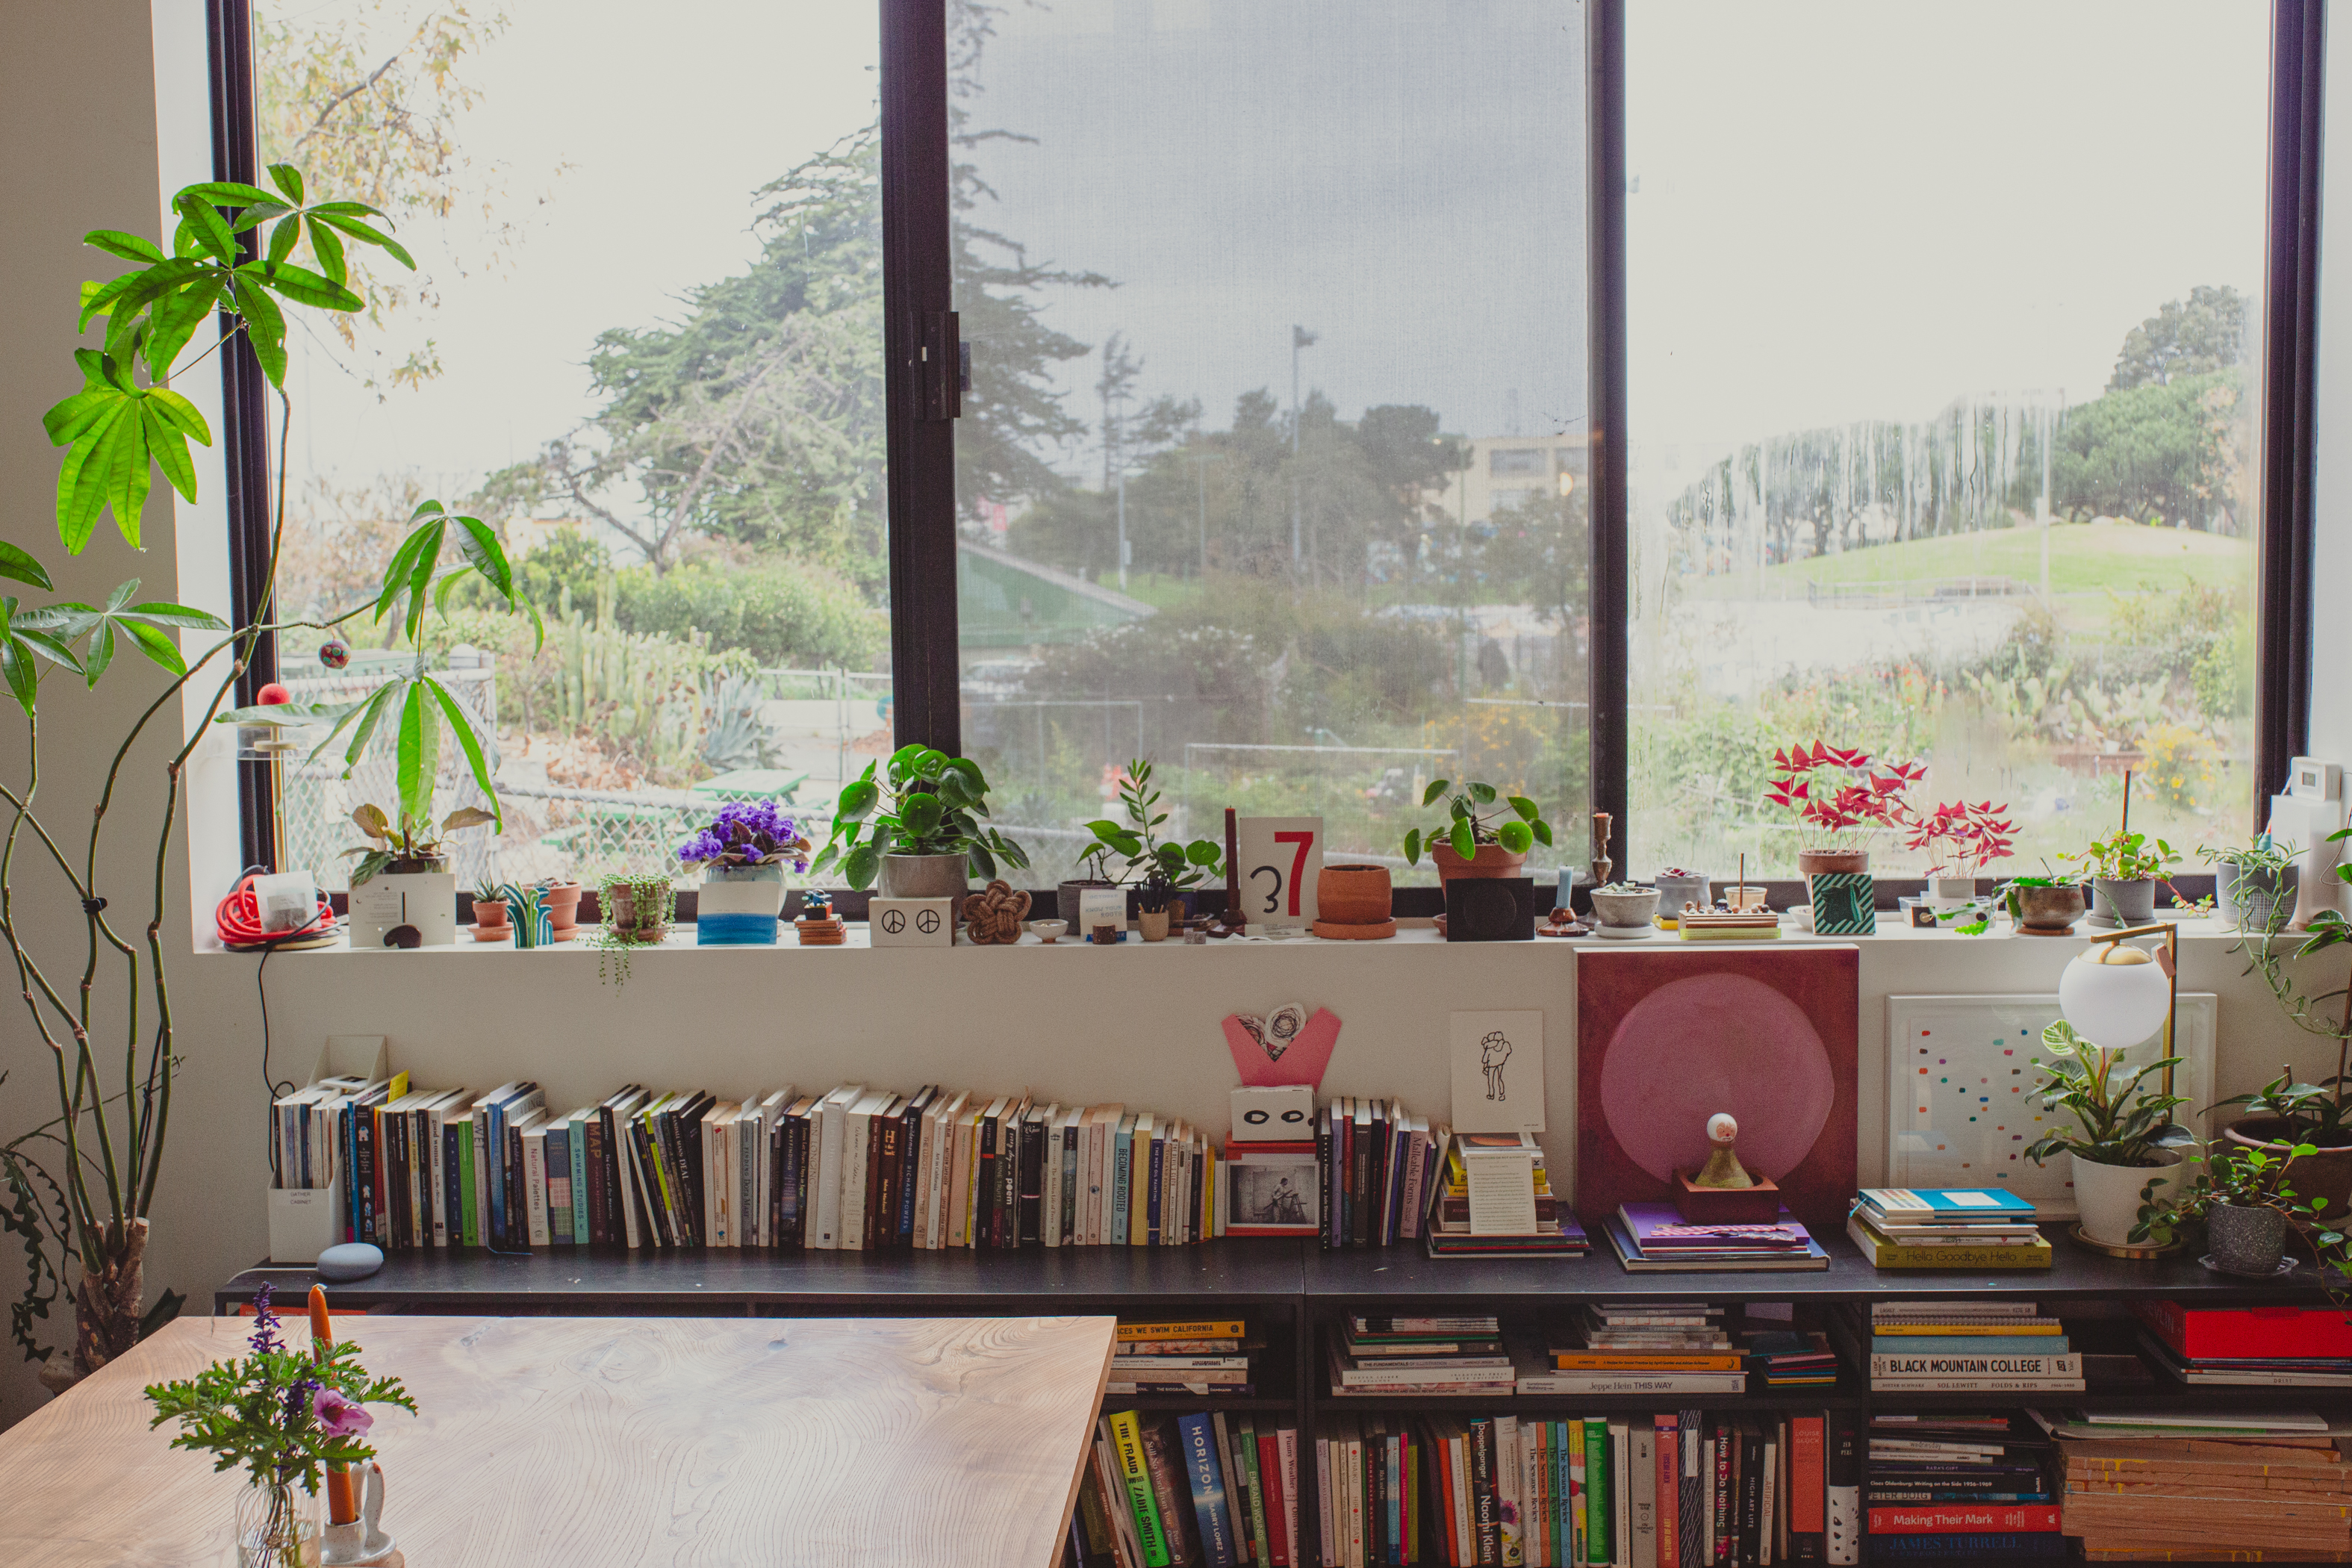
(1048, 929)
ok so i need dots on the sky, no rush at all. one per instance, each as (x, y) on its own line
(1836, 211)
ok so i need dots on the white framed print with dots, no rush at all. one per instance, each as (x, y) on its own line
(1960, 1106)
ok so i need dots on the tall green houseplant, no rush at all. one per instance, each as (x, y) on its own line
(85, 1223)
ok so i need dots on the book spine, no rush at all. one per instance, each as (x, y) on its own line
(882, 1205)
(1155, 1191)
(1255, 1466)
(601, 1217)
(1721, 1530)
(1599, 1490)
(1121, 1174)
(1032, 1177)
(2025, 1518)
(1204, 1475)
(1160, 1462)
(1134, 1470)
(584, 1226)
(1751, 1495)
(1288, 1552)
(1841, 1493)
(558, 1146)
(1806, 1484)
(1010, 1139)
(534, 1176)
(909, 1172)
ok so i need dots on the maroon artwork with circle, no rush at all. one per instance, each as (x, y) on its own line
(1667, 1038)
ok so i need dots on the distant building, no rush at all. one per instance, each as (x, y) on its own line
(1504, 470)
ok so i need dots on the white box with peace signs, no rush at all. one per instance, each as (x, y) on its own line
(911, 922)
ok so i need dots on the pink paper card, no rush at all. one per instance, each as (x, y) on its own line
(1266, 1061)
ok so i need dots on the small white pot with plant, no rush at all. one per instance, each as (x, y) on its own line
(1960, 840)
(2125, 1144)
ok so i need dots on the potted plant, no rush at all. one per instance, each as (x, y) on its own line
(490, 923)
(2241, 1199)
(919, 828)
(284, 1417)
(408, 877)
(2282, 1116)
(1678, 888)
(1624, 908)
(1161, 871)
(2254, 884)
(2044, 905)
(2122, 1130)
(1840, 798)
(563, 895)
(637, 910)
(1960, 840)
(2123, 869)
(742, 856)
(1355, 900)
(1487, 833)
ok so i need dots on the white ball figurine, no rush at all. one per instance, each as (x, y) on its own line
(1723, 1168)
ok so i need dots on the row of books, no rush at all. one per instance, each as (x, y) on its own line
(850, 1169)
(1201, 1356)
(2309, 1347)
(1966, 1346)
(1385, 1357)
(2153, 1485)
(1661, 1347)
(1947, 1228)
(1960, 1487)
(1672, 1490)
(1376, 1162)
(1207, 1488)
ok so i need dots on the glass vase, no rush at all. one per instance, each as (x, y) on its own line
(278, 1526)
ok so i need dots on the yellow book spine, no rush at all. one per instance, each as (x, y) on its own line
(1127, 1435)
(1203, 1328)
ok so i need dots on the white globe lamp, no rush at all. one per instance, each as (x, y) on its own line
(2115, 995)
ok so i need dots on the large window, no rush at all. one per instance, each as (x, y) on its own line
(645, 339)
(1944, 329)
(1272, 467)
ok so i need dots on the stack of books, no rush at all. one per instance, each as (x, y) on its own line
(1377, 1164)
(1791, 1358)
(1209, 1488)
(1961, 1347)
(1947, 1228)
(1639, 1347)
(1961, 1488)
(1654, 1238)
(1200, 1356)
(1496, 1201)
(1375, 1357)
(2170, 1485)
(2276, 1347)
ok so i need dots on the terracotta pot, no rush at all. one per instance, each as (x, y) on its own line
(564, 910)
(1352, 895)
(2326, 1175)
(2046, 911)
(1152, 924)
(1811, 861)
(490, 913)
(627, 923)
(1491, 861)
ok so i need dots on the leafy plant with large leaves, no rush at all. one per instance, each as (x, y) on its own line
(1163, 867)
(1474, 819)
(926, 803)
(231, 262)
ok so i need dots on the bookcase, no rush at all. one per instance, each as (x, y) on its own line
(1294, 1294)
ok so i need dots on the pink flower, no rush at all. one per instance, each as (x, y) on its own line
(338, 1416)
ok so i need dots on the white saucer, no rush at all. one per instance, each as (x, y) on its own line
(1625, 933)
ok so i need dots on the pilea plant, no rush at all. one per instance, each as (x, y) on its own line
(926, 803)
(1478, 814)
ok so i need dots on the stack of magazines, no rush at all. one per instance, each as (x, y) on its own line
(1380, 1357)
(1654, 1238)
(1496, 1201)
(1639, 1347)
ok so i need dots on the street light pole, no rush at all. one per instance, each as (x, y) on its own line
(1299, 338)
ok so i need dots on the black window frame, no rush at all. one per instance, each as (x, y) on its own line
(921, 355)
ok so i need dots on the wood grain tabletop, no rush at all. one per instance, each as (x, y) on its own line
(616, 1442)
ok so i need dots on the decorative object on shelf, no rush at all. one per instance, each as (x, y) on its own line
(490, 923)
(1840, 799)
(818, 925)
(992, 917)
(913, 923)
(1232, 918)
(743, 856)
(1161, 873)
(1562, 921)
(1104, 905)
(1050, 931)
(402, 892)
(1490, 909)
(1105, 936)
(1963, 1100)
(1288, 1046)
(1960, 840)
(2253, 884)
(1667, 1037)
(335, 653)
(1844, 903)
(1722, 1191)
(2123, 869)
(1069, 894)
(1272, 1113)
(1624, 910)
(1679, 890)
(1279, 866)
(1487, 833)
(562, 895)
(1353, 902)
(1602, 864)
(1497, 1061)
(2044, 905)
(527, 911)
(362, 1542)
(348, 1261)
(1196, 933)
(288, 1418)
(637, 910)
(913, 825)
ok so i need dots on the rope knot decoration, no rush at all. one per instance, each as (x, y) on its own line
(994, 914)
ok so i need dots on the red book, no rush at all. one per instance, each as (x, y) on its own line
(2249, 1333)
(1947, 1518)
(1806, 1452)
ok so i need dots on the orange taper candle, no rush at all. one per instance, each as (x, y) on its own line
(342, 1498)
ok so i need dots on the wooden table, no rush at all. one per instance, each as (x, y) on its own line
(597, 1442)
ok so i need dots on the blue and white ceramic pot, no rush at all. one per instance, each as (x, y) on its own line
(738, 906)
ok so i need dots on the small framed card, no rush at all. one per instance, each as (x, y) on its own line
(1271, 1192)
(1498, 1071)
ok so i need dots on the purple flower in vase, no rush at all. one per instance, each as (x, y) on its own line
(264, 1323)
(338, 1416)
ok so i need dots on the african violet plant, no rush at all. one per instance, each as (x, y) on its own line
(748, 832)
(1474, 819)
(926, 803)
(124, 423)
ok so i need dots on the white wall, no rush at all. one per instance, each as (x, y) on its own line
(1134, 1024)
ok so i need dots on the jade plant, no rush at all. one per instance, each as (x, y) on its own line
(925, 803)
(1161, 870)
(1478, 814)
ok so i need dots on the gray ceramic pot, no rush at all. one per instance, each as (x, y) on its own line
(2252, 901)
(1673, 892)
(2122, 903)
(2246, 1240)
(1636, 908)
(1065, 897)
(923, 876)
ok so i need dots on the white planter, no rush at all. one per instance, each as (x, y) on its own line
(1952, 892)
(2106, 1197)
(424, 900)
(737, 906)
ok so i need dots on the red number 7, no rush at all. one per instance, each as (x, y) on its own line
(1297, 862)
